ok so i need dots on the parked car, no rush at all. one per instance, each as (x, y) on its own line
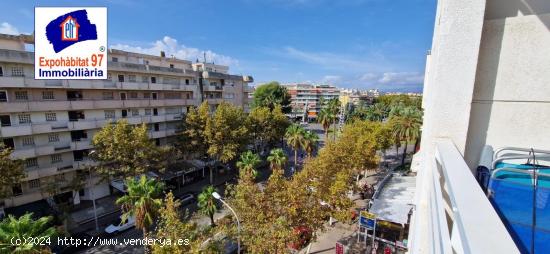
(187, 198)
(118, 227)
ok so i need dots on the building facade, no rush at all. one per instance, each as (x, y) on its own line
(305, 99)
(50, 123)
(486, 85)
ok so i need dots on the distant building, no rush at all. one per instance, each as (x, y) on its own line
(305, 99)
(355, 97)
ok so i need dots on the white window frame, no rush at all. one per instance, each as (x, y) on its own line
(56, 158)
(14, 73)
(24, 116)
(34, 163)
(110, 114)
(34, 184)
(26, 97)
(27, 141)
(44, 97)
(51, 116)
(53, 137)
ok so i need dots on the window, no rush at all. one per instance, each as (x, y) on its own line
(144, 79)
(153, 80)
(171, 66)
(123, 96)
(51, 117)
(187, 81)
(132, 78)
(135, 112)
(3, 96)
(55, 158)
(108, 96)
(146, 95)
(17, 190)
(1, 71)
(53, 137)
(124, 113)
(24, 118)
(115, 59)
(133, 95)
(34, 184)
(28, 141)
(48, 95)
(17, 71)
(154, 95)
(5, 120)
(147, 111)
(31, 163)
(155, 112)
(21, 95)
(120, 78)
(109, 114)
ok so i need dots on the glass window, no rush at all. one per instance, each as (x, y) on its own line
(133, 95)
(109, 114)
(51, 117)
(17, 190)
(147, 111)
(108, 96)
(21, 95)
(135, 112)
(53, 137)
(17, 71)
(31, 163)
(48, 95)
(28, 141)
(24, 118)
(55, 158)
(34, 184)
(132, 78)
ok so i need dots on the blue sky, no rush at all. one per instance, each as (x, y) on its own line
(350, 43)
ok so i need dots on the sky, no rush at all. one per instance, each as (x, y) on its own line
(361, 44)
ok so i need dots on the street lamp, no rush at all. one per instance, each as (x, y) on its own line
(91, 153)
(218, 197)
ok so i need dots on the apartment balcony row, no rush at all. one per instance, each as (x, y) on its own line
(452, 213)
(151, 69)
(30, 82)
(52, 170)
(34, 151)
(15, 56)
(81, 124)
(57, 105)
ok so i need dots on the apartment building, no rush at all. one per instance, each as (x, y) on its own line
(355, 97)
(486, 88)
(305, 99)
(50, 123)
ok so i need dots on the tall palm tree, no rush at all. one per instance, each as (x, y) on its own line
(325, 119)
(295, 138)
(248, 162)
(407, 127)
(207, 203)
(376, 112)
(310, 142)
(277, 158)
(24, 228)
(333, 106)
(143, 201)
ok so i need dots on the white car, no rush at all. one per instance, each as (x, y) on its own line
(117, 227)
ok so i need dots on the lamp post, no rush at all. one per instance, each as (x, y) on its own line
(92, 192)
(218, 197)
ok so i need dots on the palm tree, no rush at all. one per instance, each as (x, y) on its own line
(295, 138)
(334, 107)
(24, 228)
(277, 158)
(310, 142)
(248, 162)
(143, 201)
(207, 204)
(325, 119)
(376, 112)
(407, 127)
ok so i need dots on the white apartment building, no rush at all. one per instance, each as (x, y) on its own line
(50, 123)
(486, 84)
(305, 99)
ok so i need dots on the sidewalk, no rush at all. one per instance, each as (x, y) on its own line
(84, 212)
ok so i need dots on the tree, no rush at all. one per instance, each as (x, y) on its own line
(325, 118)
(207, 203)
(271, 94)
(226, 133)
(12, 171)
(376, 112)
(192, 140)
(247, 164)
(295, 138)
(24, 228)
(406, 126)
(310, 142)
(141, 201)
(333, 106)
(277, 159)
(266, 127)
(124, 150)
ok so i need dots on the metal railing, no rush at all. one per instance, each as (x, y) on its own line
(453, 215)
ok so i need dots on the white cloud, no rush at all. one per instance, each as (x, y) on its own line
(6, 28)
(172, 48)
(331, 79)
(402, 78)
(333, 61)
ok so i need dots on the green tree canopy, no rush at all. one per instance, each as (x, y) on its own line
(23, 228)
(226, 132)
(272, 94)
(193, 140)
(266, 127)
(12, 171)
(125, 150)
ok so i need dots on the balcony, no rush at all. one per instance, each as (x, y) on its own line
(121, 66)
(452, 214)
(81, 144)
(13, 131)
(15, 56)
(39, 173)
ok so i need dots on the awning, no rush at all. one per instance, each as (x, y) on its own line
(396, 200)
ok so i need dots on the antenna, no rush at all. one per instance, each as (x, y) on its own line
(204, 56)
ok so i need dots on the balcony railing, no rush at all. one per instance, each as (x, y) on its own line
(452, 214)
